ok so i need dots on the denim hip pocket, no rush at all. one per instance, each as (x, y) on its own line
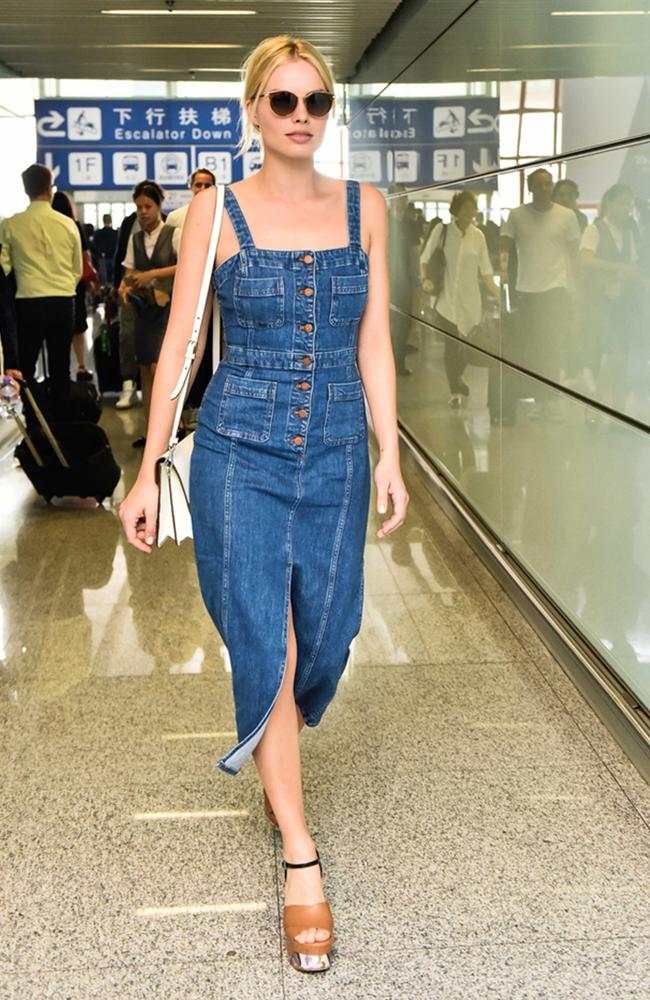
(349, 297)
(246, 409)
(345, 415)
(259, 302)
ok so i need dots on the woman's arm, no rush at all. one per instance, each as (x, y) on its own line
(142, 279)
(485, 267)
(377, 365)
(590, 261)
(432, 242)
(139, 510)
(491, 285)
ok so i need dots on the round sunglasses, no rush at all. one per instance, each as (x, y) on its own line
(284, 103)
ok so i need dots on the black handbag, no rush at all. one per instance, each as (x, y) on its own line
(437, 264)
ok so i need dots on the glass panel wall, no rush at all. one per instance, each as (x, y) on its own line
(519, 201)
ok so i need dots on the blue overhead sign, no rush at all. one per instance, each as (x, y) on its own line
(421, 142)
(106, 145)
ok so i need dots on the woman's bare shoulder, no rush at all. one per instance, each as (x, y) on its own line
(374, 216)
(244, 185)
(197, 228)
(372, 200)
(201, 212)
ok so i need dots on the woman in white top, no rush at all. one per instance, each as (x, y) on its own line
(459, 306)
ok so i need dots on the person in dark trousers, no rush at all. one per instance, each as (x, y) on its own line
(8, 337)
(43, 249)
(61, 202)
(128, 364)
(103, 247)
(546, 237)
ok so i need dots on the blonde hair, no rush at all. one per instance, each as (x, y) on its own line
(257, 69)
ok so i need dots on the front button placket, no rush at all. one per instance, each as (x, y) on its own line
(305, 346)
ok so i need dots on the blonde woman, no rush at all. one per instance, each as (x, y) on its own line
(280, 480)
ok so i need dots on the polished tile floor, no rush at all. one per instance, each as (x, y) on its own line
(482, 835)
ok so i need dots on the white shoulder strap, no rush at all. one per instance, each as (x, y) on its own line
(182, 386)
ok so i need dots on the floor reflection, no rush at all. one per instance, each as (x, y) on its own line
(563, 485)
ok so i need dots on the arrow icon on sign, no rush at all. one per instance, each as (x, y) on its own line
(482, 122)
(48, 125)
(49, 163)
(484, 162)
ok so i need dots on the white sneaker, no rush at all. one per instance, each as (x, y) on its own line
(129, 396)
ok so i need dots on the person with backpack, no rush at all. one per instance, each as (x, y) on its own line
(454, 264)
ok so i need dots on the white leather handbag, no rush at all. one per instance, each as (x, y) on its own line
(174, 519)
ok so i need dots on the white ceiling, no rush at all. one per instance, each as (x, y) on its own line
(368, 41)
(512, 40)
(72, 39)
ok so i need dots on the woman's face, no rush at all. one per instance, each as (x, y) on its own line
(298, 136)
(466, 212)
(148, 212)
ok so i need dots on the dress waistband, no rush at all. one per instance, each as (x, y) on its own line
(257, 358)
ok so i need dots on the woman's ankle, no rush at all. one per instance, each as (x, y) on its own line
(298, 848)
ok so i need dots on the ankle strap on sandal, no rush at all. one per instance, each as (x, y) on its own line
(305, 864)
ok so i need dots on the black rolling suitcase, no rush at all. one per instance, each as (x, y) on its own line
(79, 403)
(106, 349)
(66, 459)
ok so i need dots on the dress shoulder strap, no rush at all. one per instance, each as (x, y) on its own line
(239, 223)
(354, 213)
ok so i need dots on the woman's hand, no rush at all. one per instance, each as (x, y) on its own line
(389, 482)
(141, 279)
(139, 515)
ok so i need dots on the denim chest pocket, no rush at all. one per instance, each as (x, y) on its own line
(246, 409)
(349, 296)
(259, 302)
(345, 415)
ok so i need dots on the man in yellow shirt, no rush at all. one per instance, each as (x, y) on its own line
(43, 249)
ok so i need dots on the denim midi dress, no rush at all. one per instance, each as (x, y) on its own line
(280, 476)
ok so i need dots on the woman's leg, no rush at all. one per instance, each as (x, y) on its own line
(277, 758)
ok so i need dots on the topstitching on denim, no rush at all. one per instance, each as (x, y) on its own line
(263, 456)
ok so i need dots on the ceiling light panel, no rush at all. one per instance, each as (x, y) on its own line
(181, 13)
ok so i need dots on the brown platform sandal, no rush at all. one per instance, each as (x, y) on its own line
(270, 815)
(303, 956)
